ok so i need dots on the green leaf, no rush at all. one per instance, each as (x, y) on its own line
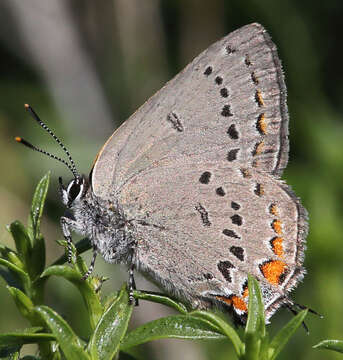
(161, 299)
(176, 326)
(223, 327)
(87, 290)
(255, 330)
(111, 329)
(69, 343)
(11, 343)
(21, 338)
(23, 302)
(282, 337)
(22, 241)
(255, 321)
(22, 275)
(11, 256)
(335, 345)
(37, 207)
(37, 261)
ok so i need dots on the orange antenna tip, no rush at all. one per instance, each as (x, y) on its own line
(26, 106)
(17, 138)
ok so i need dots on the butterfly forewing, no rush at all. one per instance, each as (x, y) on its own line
(229, 105)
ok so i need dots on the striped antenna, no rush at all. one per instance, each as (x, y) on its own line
(71, 166)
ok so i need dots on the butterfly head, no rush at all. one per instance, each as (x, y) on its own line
(74, 192)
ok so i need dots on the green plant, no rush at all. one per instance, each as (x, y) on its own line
(334, 345)
(26, 277)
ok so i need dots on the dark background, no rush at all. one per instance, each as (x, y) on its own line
(85, 66)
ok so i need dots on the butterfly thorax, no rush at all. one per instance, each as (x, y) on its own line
(100, 220)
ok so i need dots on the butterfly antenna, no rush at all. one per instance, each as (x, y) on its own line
(30, 146)
(71, 166)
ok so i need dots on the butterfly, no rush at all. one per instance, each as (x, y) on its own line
(188, 189)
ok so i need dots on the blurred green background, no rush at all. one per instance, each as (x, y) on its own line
(85, 66)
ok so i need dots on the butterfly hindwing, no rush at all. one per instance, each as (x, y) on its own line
(208, 234)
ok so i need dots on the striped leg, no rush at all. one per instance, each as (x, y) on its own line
(91, 266)
(132, 286)
(65, 223)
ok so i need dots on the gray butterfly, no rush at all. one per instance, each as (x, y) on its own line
(187, 190)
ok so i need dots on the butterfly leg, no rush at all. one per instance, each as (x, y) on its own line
(91, 266)
(65, 224)
(132, 285)
(290, 306)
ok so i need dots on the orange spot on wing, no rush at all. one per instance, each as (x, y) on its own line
(259, 98)
(277, 246)
(258, 148)
(228, 301)
(245, 292)
(236, 301)
(239, 303)
(277, 226)
(273, 209)
(273, 270)
(261, 124)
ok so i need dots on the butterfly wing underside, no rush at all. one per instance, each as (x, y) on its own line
(228, 105)
(196, 169)
(208, 234)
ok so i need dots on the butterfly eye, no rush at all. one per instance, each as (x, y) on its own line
(75, 189)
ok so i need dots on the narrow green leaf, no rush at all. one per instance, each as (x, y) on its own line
(265, 351)
(10, 351)
(335, 345)
(65, 271)
(255, 328)
(22, 241)
(252, 346)
(14, 259)
(37, 207)
(111, 329)
(176, 326)
(87, 290)
(69, 343)
(23, 302)
(36, 263)
(255, 321)
(161, 299)
(11, 256)
(224, 328)
(22, 275)
(282, 337)
(17, 338)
